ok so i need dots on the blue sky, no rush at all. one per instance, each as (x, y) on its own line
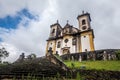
(9, 21)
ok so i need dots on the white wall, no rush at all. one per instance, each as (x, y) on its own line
(85, 42)
(51, 44)
(69, 44)
(74, 49)
(63, 44)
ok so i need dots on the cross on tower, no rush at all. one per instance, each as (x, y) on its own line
(67, 21)
(57, 21)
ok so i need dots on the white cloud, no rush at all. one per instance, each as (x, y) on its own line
(31, 39)
(10, 7)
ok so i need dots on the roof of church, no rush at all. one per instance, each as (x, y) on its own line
(67, 25)
(55, 25)
(84, 14)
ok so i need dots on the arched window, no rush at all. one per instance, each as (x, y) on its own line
(59, 33)
(83, 22)
(50, 48)
(58, 44)
(66, 40)
(74, 41)
(86, 50)
(84, 27)
(53, 31)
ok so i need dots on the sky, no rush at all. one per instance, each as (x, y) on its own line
(25, 25)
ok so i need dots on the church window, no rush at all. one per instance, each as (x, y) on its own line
(74, 41)
(53, 31)
(58, 44)
(85, 50)
(50, 48)
(66, 31)
(66, 40)
(56, 52)
(83, 22)
(84, 27)
(59, 32)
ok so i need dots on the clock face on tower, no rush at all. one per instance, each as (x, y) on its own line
(84, 28)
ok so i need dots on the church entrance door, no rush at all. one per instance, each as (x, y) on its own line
(66, 50)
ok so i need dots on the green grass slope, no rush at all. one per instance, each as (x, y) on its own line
(99, 65)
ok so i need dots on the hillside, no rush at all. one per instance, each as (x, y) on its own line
(38, 66)
(99, 65)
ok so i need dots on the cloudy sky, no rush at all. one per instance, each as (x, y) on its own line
(25, 25)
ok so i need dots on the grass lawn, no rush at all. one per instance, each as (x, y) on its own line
(99, 65)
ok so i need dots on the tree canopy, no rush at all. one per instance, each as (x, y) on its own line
(3, 53)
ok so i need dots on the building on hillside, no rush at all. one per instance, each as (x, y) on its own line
(69, 39)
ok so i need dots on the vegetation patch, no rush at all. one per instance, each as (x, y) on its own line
(98, 65)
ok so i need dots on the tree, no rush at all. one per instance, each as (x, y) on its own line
(3, 53)
(31, 56)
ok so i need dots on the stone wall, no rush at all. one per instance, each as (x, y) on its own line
(37, 67)
(105, 54)
(52, 58)
(98, 74)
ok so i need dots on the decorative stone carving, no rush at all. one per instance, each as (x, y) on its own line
(58, 44)
(94, 56)
(113, 56)
(29, 57)
(104, 55)
(22, 56)
(109, 56)
(66, 51)
(72, 58)
(88, 56)
(49, 52)
(80, 58)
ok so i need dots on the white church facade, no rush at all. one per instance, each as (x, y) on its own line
(69, 39)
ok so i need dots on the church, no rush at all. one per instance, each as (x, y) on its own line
(69, 39)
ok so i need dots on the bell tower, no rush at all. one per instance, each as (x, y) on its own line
(55, 32)
(86, 33)
(84, 21)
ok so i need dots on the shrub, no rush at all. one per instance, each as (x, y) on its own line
(118, 54)
(58, 75)
(78, 76)
(72, 65)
